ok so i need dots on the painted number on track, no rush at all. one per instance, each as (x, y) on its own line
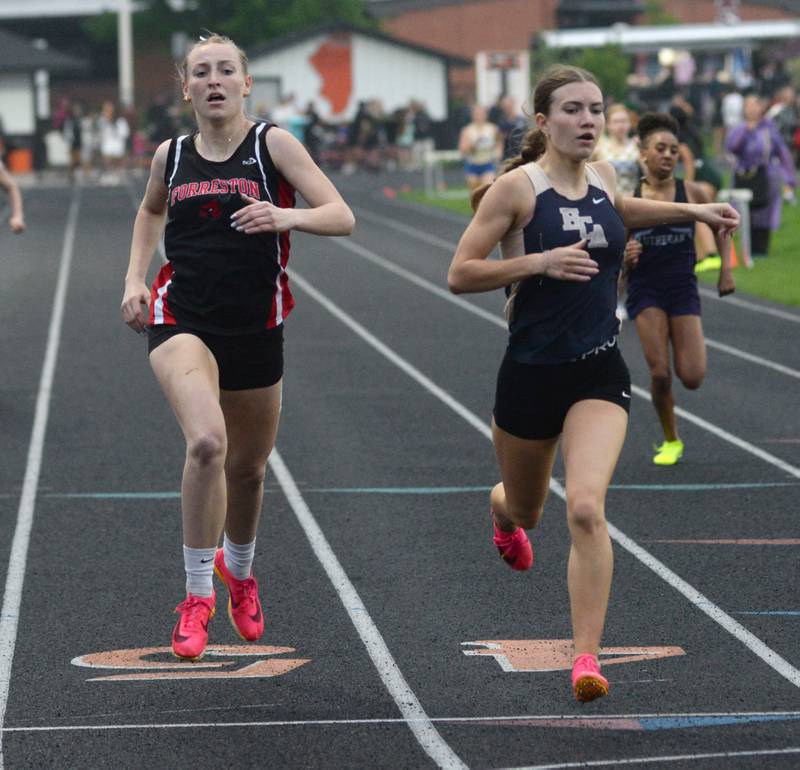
(157, 663)
(516, 655)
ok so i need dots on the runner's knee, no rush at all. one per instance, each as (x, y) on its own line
(585, 514)
(208, 449)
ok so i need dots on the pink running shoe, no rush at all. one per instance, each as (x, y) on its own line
(244, 607)
(587, 681)
(190, 635)
(514, 547)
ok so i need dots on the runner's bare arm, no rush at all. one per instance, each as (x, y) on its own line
(507, 203)
(327, 214)
(725, 283)
(17, 219)
(146, 232)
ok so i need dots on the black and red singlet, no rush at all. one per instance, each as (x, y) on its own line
(217, 279)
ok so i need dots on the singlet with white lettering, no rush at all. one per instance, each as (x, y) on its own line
(554, 321)
(667, 250)
(216, 279)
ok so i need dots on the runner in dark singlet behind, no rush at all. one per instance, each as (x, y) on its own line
(662, 288)
(215, 318)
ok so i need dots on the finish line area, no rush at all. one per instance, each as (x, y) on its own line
(394, 635)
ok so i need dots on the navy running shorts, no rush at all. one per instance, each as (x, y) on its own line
(244, 361)
(532, 400)
(674, 294)
(478, 169)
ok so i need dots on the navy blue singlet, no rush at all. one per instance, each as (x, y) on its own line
(667, 250)
(554, 321)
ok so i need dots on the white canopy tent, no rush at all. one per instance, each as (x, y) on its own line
(685, 36)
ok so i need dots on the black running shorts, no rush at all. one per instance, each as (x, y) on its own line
(244, 360)
(532, 400)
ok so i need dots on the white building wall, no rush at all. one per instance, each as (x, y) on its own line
(17, 106)
(291, 66)
(396, 75)
(380, 70)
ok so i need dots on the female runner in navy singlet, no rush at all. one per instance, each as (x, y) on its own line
(561, 229)
(215, 317)
(662, 287)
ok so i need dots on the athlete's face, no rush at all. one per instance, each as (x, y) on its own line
(660, 154)
(575, 120)
(215, 81)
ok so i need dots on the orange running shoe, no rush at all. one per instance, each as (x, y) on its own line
(587, 681)
(244, 606)
(514, 547)
(190, 635)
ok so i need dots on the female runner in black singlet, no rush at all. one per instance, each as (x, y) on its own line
(216, 315)
(663, 299)
(561, 225)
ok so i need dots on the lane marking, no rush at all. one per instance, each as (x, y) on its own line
(606, 721)
(15, 577)
(665, 758)
(170, 668)
(739, 302)
(417, 490)
(789, 613)
(736, 629)
(451, 247)
(421, 726)
(734, 541)
(641, 392)
(542, 655)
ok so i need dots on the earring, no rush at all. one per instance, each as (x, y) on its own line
(187, 98)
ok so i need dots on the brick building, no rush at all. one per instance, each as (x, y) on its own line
(465, 27)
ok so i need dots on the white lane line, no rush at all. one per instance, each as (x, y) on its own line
(499, 322)
(739, 302)
(451, 247)
(755, 645)
(400, 227)
(773, 716)
(15, 578)
(792, 470)
(667, 758)
(411, 709)
(753, 359)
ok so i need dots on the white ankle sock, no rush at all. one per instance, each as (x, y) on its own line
(199, 566)
(239, 558)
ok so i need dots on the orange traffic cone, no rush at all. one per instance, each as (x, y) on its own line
(734, 257)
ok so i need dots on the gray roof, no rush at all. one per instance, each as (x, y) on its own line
(20, 54)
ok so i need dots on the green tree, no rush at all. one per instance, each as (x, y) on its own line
(246, 21)
(610, 66)
(654, 14)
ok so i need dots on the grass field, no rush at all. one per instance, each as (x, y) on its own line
(776, 278)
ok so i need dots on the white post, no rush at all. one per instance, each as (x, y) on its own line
(740, 198)
(125, 53)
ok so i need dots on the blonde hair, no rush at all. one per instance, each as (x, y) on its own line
(534, 143)
(212, 38)
(617, 107)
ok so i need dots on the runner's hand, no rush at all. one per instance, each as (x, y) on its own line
(633, 250)
(569, 263)
(721, 217)
(17, 224)
(725, 285)
(262, 217)
(136, 297)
